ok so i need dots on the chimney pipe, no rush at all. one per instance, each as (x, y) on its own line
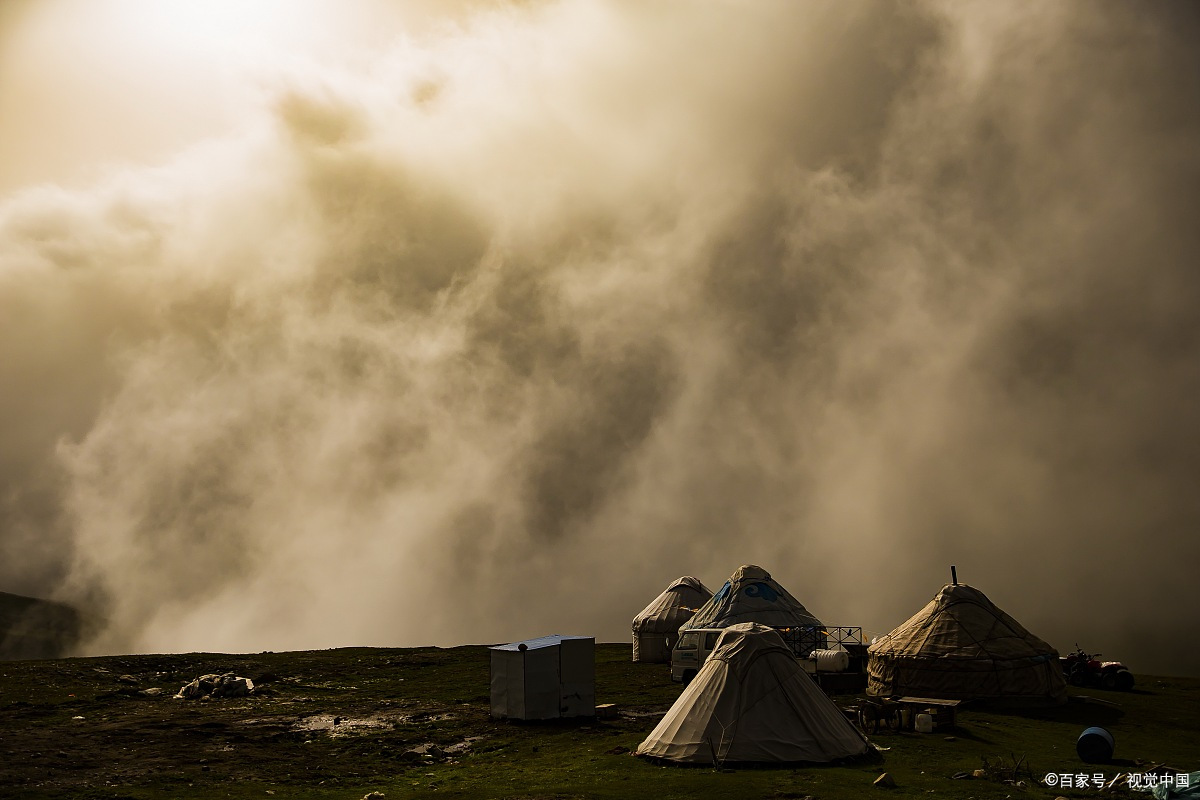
(953, 575)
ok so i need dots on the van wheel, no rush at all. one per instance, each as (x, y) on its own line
(688, 675)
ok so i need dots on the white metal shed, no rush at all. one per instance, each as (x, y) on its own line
(544, 678)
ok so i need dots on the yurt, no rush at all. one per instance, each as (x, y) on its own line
(752, 595)
(752, 702)
(656, 628)
(961, 646)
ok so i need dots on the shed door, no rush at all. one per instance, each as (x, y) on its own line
(541, 683)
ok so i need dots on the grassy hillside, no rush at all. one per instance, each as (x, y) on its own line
(338, 723)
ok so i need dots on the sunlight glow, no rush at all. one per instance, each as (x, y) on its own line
(86, 84)
(239, 27)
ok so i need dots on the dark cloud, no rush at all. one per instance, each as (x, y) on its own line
(854, 291)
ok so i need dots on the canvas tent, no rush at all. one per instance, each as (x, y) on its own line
(752, 595)
(961, 646)
(544, 678)
(656, 629)
(751, 702)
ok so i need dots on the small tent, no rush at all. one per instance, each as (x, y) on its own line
(752, 595)
(544, 678)
(752, 702)
(960, 646)
(656, 629)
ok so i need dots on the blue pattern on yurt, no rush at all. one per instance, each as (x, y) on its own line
(761, 590)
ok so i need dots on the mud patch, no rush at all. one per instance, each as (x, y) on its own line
(463, 746)
(338, 725)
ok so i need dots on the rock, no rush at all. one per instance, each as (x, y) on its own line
(885, 781)
(425, 752)
(961, 776)
(373, 795)
(128, 679)
(979, 773)
(950, 739)
(151, 692)
(200, 687)
(206, 686)
(231, 685)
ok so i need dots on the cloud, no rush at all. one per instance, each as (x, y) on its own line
(494, 335)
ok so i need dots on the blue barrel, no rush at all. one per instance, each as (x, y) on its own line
(1095, 746)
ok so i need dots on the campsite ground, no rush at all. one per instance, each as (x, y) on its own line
(339, 723)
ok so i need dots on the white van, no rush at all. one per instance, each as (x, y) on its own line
(691, 651)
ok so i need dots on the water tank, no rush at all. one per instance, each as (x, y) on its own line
(830, 660)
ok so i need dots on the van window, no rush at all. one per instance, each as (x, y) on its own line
(710, 640)
(688, 641)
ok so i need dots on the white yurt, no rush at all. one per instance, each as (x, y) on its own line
(752, 595)
(656, 628)
(962, 646)
(752, 702)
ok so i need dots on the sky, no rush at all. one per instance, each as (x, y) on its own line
(365, 323)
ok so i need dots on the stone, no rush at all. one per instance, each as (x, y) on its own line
(424, 752)
(231, 685)
(885, 781)
(212, 685)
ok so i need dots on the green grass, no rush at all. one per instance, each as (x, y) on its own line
(131, 746)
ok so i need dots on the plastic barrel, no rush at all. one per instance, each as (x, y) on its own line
(1095, 746)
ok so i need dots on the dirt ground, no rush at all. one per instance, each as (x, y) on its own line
(77, 724)
(356, 723)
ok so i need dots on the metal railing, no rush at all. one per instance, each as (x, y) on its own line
(803, 640)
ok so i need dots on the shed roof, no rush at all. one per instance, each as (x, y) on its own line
(553, 640)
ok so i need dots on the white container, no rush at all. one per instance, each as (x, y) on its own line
(924, 723)
(831, 660)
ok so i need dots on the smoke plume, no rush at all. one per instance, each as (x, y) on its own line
(497, 334)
